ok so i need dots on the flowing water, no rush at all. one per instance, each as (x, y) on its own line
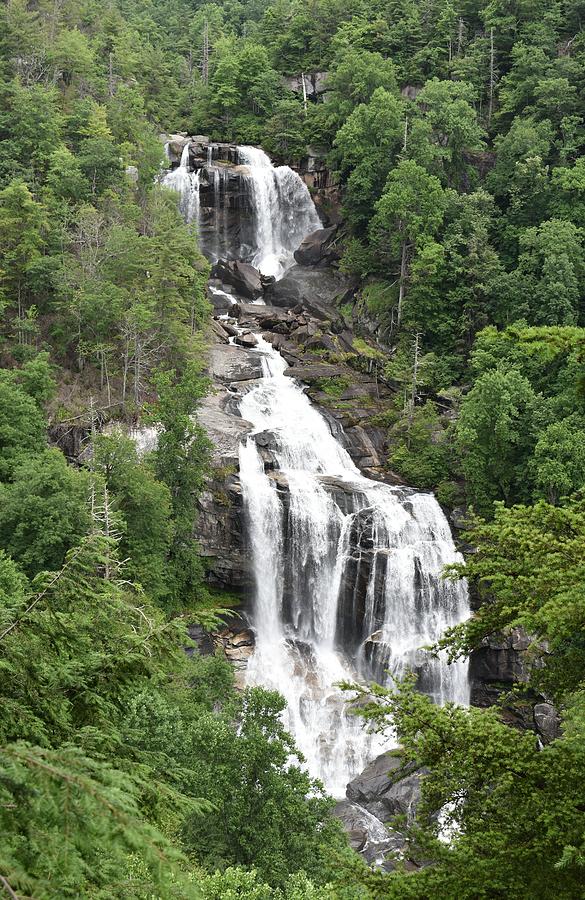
(282, 211)
(347, 570)
(347, 575)
(186, 183)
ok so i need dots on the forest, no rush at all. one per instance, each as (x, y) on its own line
(455, 132)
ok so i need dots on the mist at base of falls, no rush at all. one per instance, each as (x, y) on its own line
(347, 571)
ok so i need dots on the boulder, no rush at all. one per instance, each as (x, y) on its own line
(313, 289)
(318, 249)
(247, 339)
(547, 722)
(387, 788)
(315, 373)
(374, 780)
(368, 836)
(244, 278)
(227, 364)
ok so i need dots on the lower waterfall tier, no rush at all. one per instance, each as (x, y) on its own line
(347, 576)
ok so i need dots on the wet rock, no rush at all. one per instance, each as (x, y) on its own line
(266, 439)
(247, 339)
(387, 788)
(244, 278)
(375, 780)
(318, 249)
(547, 722)
(227, 363)
(220, 331)
(237, 644)
(460, 518)
(220, 531)
(230, 329)
(368, 836)
(225, 430)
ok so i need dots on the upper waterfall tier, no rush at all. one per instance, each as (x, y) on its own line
(348, 576)
(244, 207)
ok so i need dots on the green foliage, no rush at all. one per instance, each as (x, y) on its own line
(145, 507)
(511, 810)
(528, 569)
(181, 462)
(420, 449)
(22, 426)
(457, 136)
(43, 511)
(496, 433)
(261, 816)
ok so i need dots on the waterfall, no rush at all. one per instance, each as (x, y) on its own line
(347, 573)
(278, 203)
(186, 183)
(284, 213)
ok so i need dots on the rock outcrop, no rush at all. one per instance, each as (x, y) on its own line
(386, 789)
(496, 669)
(318, 248)
(242, 277)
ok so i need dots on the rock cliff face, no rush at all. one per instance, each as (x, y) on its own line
(225, 202)
(300, 319)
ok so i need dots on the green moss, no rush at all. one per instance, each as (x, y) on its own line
(334, 387)
(224, 599)
(365, 349)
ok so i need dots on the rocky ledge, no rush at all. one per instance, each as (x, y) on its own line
(299, 316)
(387, 792)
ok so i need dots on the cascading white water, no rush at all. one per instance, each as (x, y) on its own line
(303, 523)
(284, 213)
(186, 183)
(347, 570)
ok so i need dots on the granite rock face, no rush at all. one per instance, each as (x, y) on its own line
(318, 248)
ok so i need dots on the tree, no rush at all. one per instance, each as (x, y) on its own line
(558, 463)
(445, 130)
(284, 131)
(22, 223)
(145, 506)
(43, 511)
(181, 461)
(22, 427)
(496, 434)
(550, 277)
(407, 217)
(365, 148)
(528, 573)
(73, 651)
(510, 808)
(268, 811)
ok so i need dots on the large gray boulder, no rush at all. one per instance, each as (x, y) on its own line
(244, 278)
(318, 248)
(375, 780)
(387, 788)
(311, 288)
